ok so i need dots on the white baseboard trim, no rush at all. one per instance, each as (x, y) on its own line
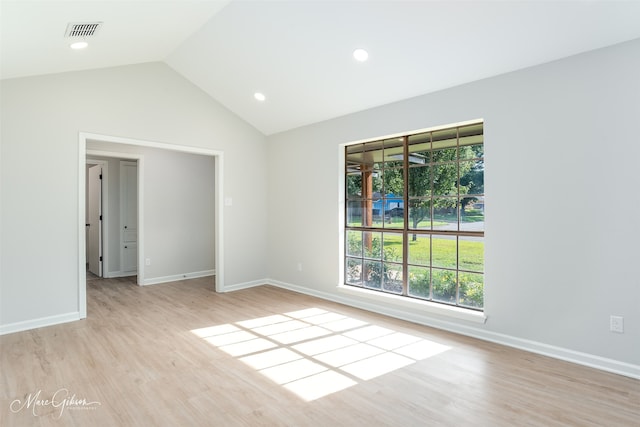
(116, 274)
(245, 285)
(26, 325)
(176, 277)
(580, 358)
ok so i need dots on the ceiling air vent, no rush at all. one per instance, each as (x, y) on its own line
(82, 29)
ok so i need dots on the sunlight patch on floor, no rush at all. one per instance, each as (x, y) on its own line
(375, 366)
(322, 345)
(230, 338)
(281, 327)
(344, 356)
(315, 352)
(291, 371)
(248, 347)
(320, 385)
(298, 335)
(267, 359)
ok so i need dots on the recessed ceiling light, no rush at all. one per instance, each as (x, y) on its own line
(78, 45)
(259, 96)
(360, 55)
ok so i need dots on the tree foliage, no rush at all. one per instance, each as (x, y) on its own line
(434, 186)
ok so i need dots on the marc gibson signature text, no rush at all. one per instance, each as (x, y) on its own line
(61, 400)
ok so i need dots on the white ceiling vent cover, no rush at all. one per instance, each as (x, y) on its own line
(82, 29)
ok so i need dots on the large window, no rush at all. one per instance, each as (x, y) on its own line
(415, 215)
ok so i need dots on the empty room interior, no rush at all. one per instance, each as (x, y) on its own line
(310, 213)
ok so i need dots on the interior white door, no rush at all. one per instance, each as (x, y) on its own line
(94, 246)
(129, 205)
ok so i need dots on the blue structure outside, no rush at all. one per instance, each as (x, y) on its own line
(391, 201)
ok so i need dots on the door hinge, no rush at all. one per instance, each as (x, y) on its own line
(100, 258)
(100, 217)
(100, 176)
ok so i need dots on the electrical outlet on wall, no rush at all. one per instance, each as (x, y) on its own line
(616, 324)
(147, 261)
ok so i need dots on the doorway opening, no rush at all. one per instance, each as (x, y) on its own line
(111, 215)
(124, 144)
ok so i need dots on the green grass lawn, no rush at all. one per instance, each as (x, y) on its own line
(445, 254)
(470, 256)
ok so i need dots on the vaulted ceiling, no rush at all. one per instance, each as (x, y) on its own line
(299, 53)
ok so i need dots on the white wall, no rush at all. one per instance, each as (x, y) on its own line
(41, 119)
(561, 189)
(178, 210)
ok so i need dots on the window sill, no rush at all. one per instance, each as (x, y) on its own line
(425, 306)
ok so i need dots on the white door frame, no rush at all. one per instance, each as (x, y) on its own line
(83, 137)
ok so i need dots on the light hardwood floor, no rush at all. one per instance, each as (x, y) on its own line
(179, 354)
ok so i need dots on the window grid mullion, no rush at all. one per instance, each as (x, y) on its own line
(458, 215)
(405, 217)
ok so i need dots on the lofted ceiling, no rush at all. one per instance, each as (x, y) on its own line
(299, 53)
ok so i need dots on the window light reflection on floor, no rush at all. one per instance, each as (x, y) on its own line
(315, 352)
